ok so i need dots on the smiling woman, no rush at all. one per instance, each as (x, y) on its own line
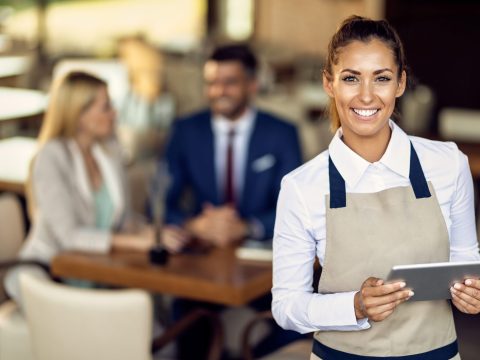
(376, 198)
(364, 83)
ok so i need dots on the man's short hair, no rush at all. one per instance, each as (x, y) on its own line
(236, 52)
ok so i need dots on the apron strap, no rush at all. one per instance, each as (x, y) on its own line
(417, 177)
(338, 196)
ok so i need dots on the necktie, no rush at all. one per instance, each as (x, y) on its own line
(229, 183)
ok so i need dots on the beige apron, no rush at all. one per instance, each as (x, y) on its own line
(366, 238)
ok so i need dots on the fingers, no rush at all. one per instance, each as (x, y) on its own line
(377, 300)
(173, 238)
(377, 287)
(378, 311)
(218, 225)
(466, 297)
(221, 213)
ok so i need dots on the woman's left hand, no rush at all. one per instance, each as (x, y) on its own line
(466, 296)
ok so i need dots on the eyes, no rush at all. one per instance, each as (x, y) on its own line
(356, 78)
(224, 82)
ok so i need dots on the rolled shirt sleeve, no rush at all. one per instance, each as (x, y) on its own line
(294, 305)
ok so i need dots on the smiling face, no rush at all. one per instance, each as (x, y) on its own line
(364, 85)
(228, 88)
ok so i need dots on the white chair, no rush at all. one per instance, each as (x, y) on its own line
(69, 322)
(14, 334)
(12, 226)
(12, 231)
(77, 324)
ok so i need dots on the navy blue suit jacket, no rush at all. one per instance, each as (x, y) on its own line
(190, 160)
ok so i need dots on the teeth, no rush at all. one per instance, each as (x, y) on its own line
(365, 112)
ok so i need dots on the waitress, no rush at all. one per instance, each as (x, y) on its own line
(376, 198)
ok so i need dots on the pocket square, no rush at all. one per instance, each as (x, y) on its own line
(263, 163)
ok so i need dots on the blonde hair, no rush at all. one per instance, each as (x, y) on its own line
(70, 96)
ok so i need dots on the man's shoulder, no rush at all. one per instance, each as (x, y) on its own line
(273, 120)
(193, 118)
(191, 123)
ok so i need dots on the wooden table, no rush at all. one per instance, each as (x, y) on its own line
(15, 156)
(217, 276)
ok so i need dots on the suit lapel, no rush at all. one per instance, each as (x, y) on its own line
(206, 156)
(254, 151)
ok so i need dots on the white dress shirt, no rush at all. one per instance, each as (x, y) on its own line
(243, 129)
(300, 222)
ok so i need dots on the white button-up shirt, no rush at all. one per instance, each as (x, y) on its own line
(243, 129)
(300, 232)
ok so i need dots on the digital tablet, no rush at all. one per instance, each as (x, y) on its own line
(433, 281)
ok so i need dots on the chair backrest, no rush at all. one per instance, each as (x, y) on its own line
(12, 226)
(12, 231)
(78, 324)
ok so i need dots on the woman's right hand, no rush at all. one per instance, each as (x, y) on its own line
(143, 241)
(173, 238)
(377, 300)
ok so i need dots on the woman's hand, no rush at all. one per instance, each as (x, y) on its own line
(140, 242)
(466, 296)
(173, 238)
(377, 300)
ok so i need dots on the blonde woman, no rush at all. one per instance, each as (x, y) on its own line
(77, 192)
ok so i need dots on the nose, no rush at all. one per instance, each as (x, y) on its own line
(366, 92)
(217, 89)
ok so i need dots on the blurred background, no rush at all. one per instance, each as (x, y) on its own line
(39, 38)
(151, 53)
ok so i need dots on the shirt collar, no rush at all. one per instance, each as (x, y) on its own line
(222, 125)
(397, 155)
(352, 166)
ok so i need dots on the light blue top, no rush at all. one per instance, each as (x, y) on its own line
(103, 221)
(103, 208)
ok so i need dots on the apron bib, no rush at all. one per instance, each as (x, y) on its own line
(366, 234)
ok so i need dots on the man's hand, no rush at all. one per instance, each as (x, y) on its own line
(220, 226)
(376, 300)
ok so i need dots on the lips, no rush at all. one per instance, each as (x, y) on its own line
(365, 112)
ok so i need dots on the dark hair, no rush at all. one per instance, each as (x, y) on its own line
(357, 28)
(236, 52)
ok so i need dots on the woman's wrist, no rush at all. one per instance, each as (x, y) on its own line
(358, 306)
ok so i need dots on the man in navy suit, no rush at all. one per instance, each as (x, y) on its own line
(231, 158)
(264, 149)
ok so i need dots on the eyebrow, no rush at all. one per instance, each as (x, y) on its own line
(376, 72)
